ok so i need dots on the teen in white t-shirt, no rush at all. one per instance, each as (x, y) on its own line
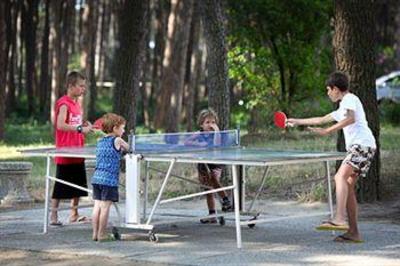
(360, 146)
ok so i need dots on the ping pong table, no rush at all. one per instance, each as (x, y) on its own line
(174, 149)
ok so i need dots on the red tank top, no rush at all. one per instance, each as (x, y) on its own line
(69, 138)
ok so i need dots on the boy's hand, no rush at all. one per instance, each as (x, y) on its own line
(215, 127)
(291, 122)
(318, 130)
(87, 129)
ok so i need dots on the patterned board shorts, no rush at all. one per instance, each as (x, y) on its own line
(360, 158)
(206, 178)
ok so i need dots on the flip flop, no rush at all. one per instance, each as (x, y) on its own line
(346, 239)
(58, 223)
(108, 238)
(329, 225)
(81, 220)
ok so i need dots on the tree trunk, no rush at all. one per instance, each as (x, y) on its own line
(162, 10)
(354, 45)
(90, 19)
(12, 30)
(170, 103)
(60, 31)
(31, 21)
(132, 30)
(397, 37)
(44, 87)
(217, 66)
(192, 64)
(3, 66)
(104, 35)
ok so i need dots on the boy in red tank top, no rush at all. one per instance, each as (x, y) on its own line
(70, 132)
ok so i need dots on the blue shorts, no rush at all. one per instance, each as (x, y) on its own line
(104, 193)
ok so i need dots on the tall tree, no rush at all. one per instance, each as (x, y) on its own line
(3, 65)
(193, 63)
(44, 87)
(90, 19)
(60, 30)
(217, 82)
(104, 37)
(132, 22)
(162, 10)
(170, 101)
(30, 17)
(354, 45)
(12, 29)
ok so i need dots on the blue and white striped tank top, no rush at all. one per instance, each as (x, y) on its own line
(107, 163)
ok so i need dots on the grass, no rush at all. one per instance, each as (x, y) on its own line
(289, 181)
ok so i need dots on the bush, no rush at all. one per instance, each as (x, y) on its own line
(389, 112)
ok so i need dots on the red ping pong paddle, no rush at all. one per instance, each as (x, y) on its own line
(280, 119)
(98, 124)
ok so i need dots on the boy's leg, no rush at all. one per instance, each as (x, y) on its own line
(103, 220)
(74, 210)
(342, 192)
(210, 202)
(215, 177)
(352, 210)
(54, 210)
(95, 219)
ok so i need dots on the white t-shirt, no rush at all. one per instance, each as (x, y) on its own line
(358, 132)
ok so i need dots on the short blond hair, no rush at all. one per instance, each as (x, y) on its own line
(111, 120)
(206, 113)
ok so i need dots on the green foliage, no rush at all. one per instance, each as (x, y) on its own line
(74, 62)
(20, 131)
(278, 51)
(389, 112)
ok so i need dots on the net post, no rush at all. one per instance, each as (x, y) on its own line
(238, 134)
(131, 141)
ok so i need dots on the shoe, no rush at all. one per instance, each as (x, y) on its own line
(227, 205)
(58, 223)
(211, 220)
(329, 225)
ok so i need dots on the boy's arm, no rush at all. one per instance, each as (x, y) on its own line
(62, 125)
(310, 121)
(121, 144)
(339, 125)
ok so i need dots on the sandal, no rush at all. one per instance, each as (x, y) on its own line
(81, 220)
(108, 238)
(329, 225)
(347, 239)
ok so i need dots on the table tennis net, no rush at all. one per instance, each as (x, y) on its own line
(188, 141)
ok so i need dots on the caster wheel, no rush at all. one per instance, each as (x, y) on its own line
(252, 225)
(153, 237)
(221, 221)
(116, 233)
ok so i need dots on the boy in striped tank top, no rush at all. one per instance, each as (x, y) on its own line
(106, 176)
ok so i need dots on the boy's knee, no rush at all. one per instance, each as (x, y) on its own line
(352, 179)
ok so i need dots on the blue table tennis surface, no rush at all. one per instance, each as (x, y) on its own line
(240, 155)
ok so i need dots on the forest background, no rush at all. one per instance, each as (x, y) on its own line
(159, 62)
